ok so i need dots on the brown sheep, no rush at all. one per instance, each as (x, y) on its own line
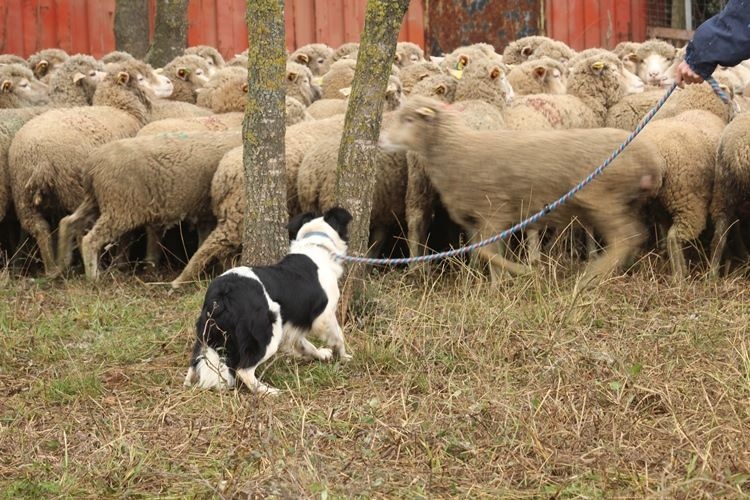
(187, 74)
(19, 88)
(538, 76)
(488, 179)
(316, 56)
(212, 56)
(45, 62)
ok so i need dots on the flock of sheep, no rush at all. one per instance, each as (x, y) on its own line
(91, 150)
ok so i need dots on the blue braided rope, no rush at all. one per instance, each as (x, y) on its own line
(547, 208)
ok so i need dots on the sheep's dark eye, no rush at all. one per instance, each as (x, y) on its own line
(92, 73)
(320, 61)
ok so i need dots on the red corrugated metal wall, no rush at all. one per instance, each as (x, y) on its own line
(86, 25)
(596, 23)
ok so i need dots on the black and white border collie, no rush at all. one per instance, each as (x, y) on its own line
(250, 313)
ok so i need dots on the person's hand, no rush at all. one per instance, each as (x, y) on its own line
(683, 75)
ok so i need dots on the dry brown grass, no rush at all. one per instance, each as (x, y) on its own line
(457, 388)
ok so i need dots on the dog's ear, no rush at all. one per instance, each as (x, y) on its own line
(296, 223)
(339, 218)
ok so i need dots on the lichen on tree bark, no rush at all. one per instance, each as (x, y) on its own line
(265, 238)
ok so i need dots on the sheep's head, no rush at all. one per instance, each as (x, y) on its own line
(414, 73)
(210, 55)
(45, 62)
(299, 83)
(19, 88)
(486, 80)
(82, 72)
(316, 56)
(599, 78)
(654, 58)
(394, 95)
(187, 73)
(412, 128)
(549, 74)
(440, 87)
(408, 53)
(120, 89)
(225, 92)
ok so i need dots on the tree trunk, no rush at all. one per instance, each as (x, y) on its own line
(265, 238)
(355, 174)
(170, 32)
(131, 27)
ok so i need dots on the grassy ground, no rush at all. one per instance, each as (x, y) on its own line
(457, 388)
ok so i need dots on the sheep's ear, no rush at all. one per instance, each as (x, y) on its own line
(495, 73)
(41, 66)
(123, 77)
(392, 87)
(78, 77)
(346, 91)
(7, 86)
(540, 72)
(182, 74)
(397, 58)
(422, 76)
(463, 60)
(339, 218)
(598, 66)
(245, 88)
(426, 112)
(303, 59)
(292, 76)
(159, 71)
(440, 89)
(631, 57)
(526, 51)
(296, 223)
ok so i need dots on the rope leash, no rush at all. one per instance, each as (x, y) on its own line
(547, 208)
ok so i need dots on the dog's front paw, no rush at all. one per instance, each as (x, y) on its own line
(324, 354)
(264, 390)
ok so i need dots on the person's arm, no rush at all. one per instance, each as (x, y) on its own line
(722, 40)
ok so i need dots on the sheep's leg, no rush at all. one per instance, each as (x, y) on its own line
(624, 235)
(71, 229)
(500, 263)
(533, 246)
(39, 229)
(216, 246)
(104, 231)
(378, 236)
(153, 246)
(420, 199)
(687, 225)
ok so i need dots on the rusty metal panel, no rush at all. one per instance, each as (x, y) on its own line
(451, 24)
(584, 24)
(86, 26)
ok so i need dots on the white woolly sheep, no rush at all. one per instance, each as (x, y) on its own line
(654, 60)
(628, 54)
(48, 152)
(45, 62)
(535, 47)
(408, 53)
(299, 84)
(346, 51)
(239, 60)
(116, 57)
(464, 56)
(187, 73)
(316, 56)
(19, 88)
(441, 87)
(687, 143)
(485, 80)
(731, 187)
(157, 84)
(12, 59)
(539, 76)
(316, 188)
(212, 56)
(487, 180)
(225, 91)
(595, 84)
(74, 82)
(412, 74)
(340, 77)
(154, 181)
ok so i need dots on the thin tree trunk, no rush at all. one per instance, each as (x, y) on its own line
(678, 14)
(265, 239)
(131, 27)
(170, 32)
(355, 174)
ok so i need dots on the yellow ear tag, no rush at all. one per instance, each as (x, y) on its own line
(425, 111)
(598, 65)
(318, 80)
(457, 73)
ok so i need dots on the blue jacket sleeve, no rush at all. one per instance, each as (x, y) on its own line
(722, 40)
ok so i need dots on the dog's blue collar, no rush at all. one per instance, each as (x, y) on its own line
(316, 233)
